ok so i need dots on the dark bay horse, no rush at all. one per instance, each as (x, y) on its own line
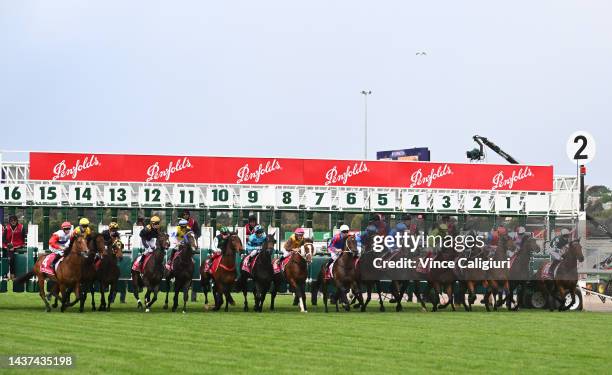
(96, 246)
(225, 274)
(296, 273)
(472, 277)
(262, 274)
(108, 272)
(182, 271)
(368, 255)
(344, 277)
(442, 279)
(520, 274)
(565, 278)
(153, 273)
(68, 275)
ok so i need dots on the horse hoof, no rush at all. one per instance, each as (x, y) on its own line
(363, 308)
(48, 309)
(94, 309)
(381, 309)
(174, 309)
(423, 309)
(148, 310)
(184, 312)
(398, 308)
(165, 307)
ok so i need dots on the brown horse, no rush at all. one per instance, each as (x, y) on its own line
(344, 277)
(262, 274)
(108, 272)
(96, 245)
(182, 271)
(153, 273)
(520, 274)
(442, 280)
(296, 273)
(224, 276)
(472, 277)
(68, 275)
(565, 278)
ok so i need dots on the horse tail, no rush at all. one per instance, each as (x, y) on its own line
(23, 278)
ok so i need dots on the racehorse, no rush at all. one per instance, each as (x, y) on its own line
(262, 274)
(224, 275)
(181, 270)
(368, 255)
(472, 277)
(95, 245)
(152, 274)
(442, 279)
(411, 276)
(344, 277)
(68, 274)
(565, 277)
(295, 273)
(108, 272)
(520, 274)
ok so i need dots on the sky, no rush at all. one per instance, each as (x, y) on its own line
(283, 78)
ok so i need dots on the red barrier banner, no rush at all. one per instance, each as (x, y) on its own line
(282, 171)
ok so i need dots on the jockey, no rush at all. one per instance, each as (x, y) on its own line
(440, 231)
(181, 230)
(521, 233)
(365, 236)
(220, 241)
(60, 241)
(111, 232)
(337, 243)
(256, 241)
(15, 237)
(292, 244)
(148, 237)
(192, 223)
(400, 228)
(83, 229)
(557, 245)
(250, 227)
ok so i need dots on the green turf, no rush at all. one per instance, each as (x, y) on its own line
(286, 341)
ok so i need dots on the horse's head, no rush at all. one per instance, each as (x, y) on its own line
(98, 244)
(529, 245)
(163, 242)
(351, 244)
(268, 245)
(189, 241)
(116, 248)
(575, 251)
(506, 243)
(233, 245)
(309, 249)
(79, 246)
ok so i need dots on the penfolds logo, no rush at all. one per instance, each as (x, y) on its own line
(332, 176)
(60, 170)
(418, 179)
(245, 174)
(500, 181)
(154, 172)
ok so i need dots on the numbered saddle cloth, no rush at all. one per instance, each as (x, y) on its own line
(278, 267)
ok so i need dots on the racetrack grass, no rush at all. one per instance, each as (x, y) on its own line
(125, 341)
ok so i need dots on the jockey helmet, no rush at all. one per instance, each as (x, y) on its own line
(344, 228)
(443, 226)
(400, 227)
(371, 229)
(259, 229)
(224, 230)
(155, 219)
(113, 226)
(502, 230)
(252, 218)
(183, 222)
(565, 232)
(521, 230)
(66, 225)
(84, 221)
(299, 231)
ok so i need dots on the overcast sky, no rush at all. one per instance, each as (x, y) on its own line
(283, 78)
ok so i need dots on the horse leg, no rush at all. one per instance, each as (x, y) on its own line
(380, 300)
(93, 300)
(302, 292)
(274, 291)
(243, 286)
(228, 297)
(561, 298)
(168, 291)
(41, 293)
(135, 287)
(64, 295)
(177, 290)
(185, 296)
(80, 294)
(102, 297)
(111, 294)
(359, 294)
(324, 292)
